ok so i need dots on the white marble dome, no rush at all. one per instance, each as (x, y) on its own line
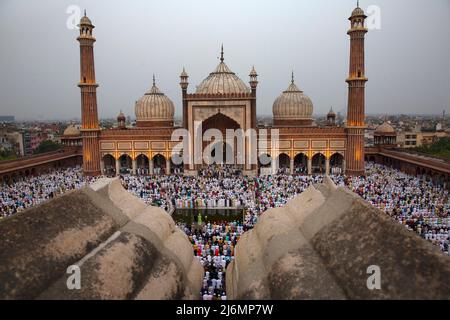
(385, 128)
(222, 81)
(293, 104)
(72, 131)
(154, 106)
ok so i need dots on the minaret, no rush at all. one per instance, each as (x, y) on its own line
(184, 83)
(356, 95)
(90, 129)
(121, 121)
(253, 85)
(331, 118)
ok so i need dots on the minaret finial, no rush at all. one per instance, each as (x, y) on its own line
(154, 81)
(357, 3)
(85, 12)
(221, 54)
(292, 80)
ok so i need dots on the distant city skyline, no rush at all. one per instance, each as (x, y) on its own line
(77, 119)
(407, 59)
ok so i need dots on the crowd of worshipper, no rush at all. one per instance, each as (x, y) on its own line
(216, 188)
(24, 192)
(220, 171)
(415, 202)
(224, 189)
(419, 205)
(214, 244)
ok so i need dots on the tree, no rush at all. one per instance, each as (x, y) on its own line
(7, 155)
(47, 146)
(440, 148)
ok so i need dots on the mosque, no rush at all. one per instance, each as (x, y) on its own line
(223, 101)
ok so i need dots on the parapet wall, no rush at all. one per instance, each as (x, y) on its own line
(323, 245)
(124, 249)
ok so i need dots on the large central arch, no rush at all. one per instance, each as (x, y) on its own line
(222, 123)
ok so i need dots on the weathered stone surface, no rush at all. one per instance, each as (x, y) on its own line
(117, 271)
(124, 249)
(303, 267)
(320, 246)
(411, 268)
(39, 244)
(124, 200)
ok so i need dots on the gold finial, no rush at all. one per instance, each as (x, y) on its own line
(85, 12)
(154, 81)
(221, 54)
(292, 80)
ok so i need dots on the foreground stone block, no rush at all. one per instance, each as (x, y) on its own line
(123, 249)
(321, 246)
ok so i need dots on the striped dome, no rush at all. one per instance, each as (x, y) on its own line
(293, 104)
(85, 21)
(222, 80)
(154, 106)
(385, 128)
(358, 12)
(72, 130)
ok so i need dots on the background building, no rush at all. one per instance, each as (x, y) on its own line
(7, 119)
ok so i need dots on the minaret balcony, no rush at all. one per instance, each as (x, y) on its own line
(358, 30)
(87, 84)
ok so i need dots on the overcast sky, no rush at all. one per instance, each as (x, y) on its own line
(407, 60)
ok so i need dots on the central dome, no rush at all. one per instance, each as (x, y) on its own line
(222, 80)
